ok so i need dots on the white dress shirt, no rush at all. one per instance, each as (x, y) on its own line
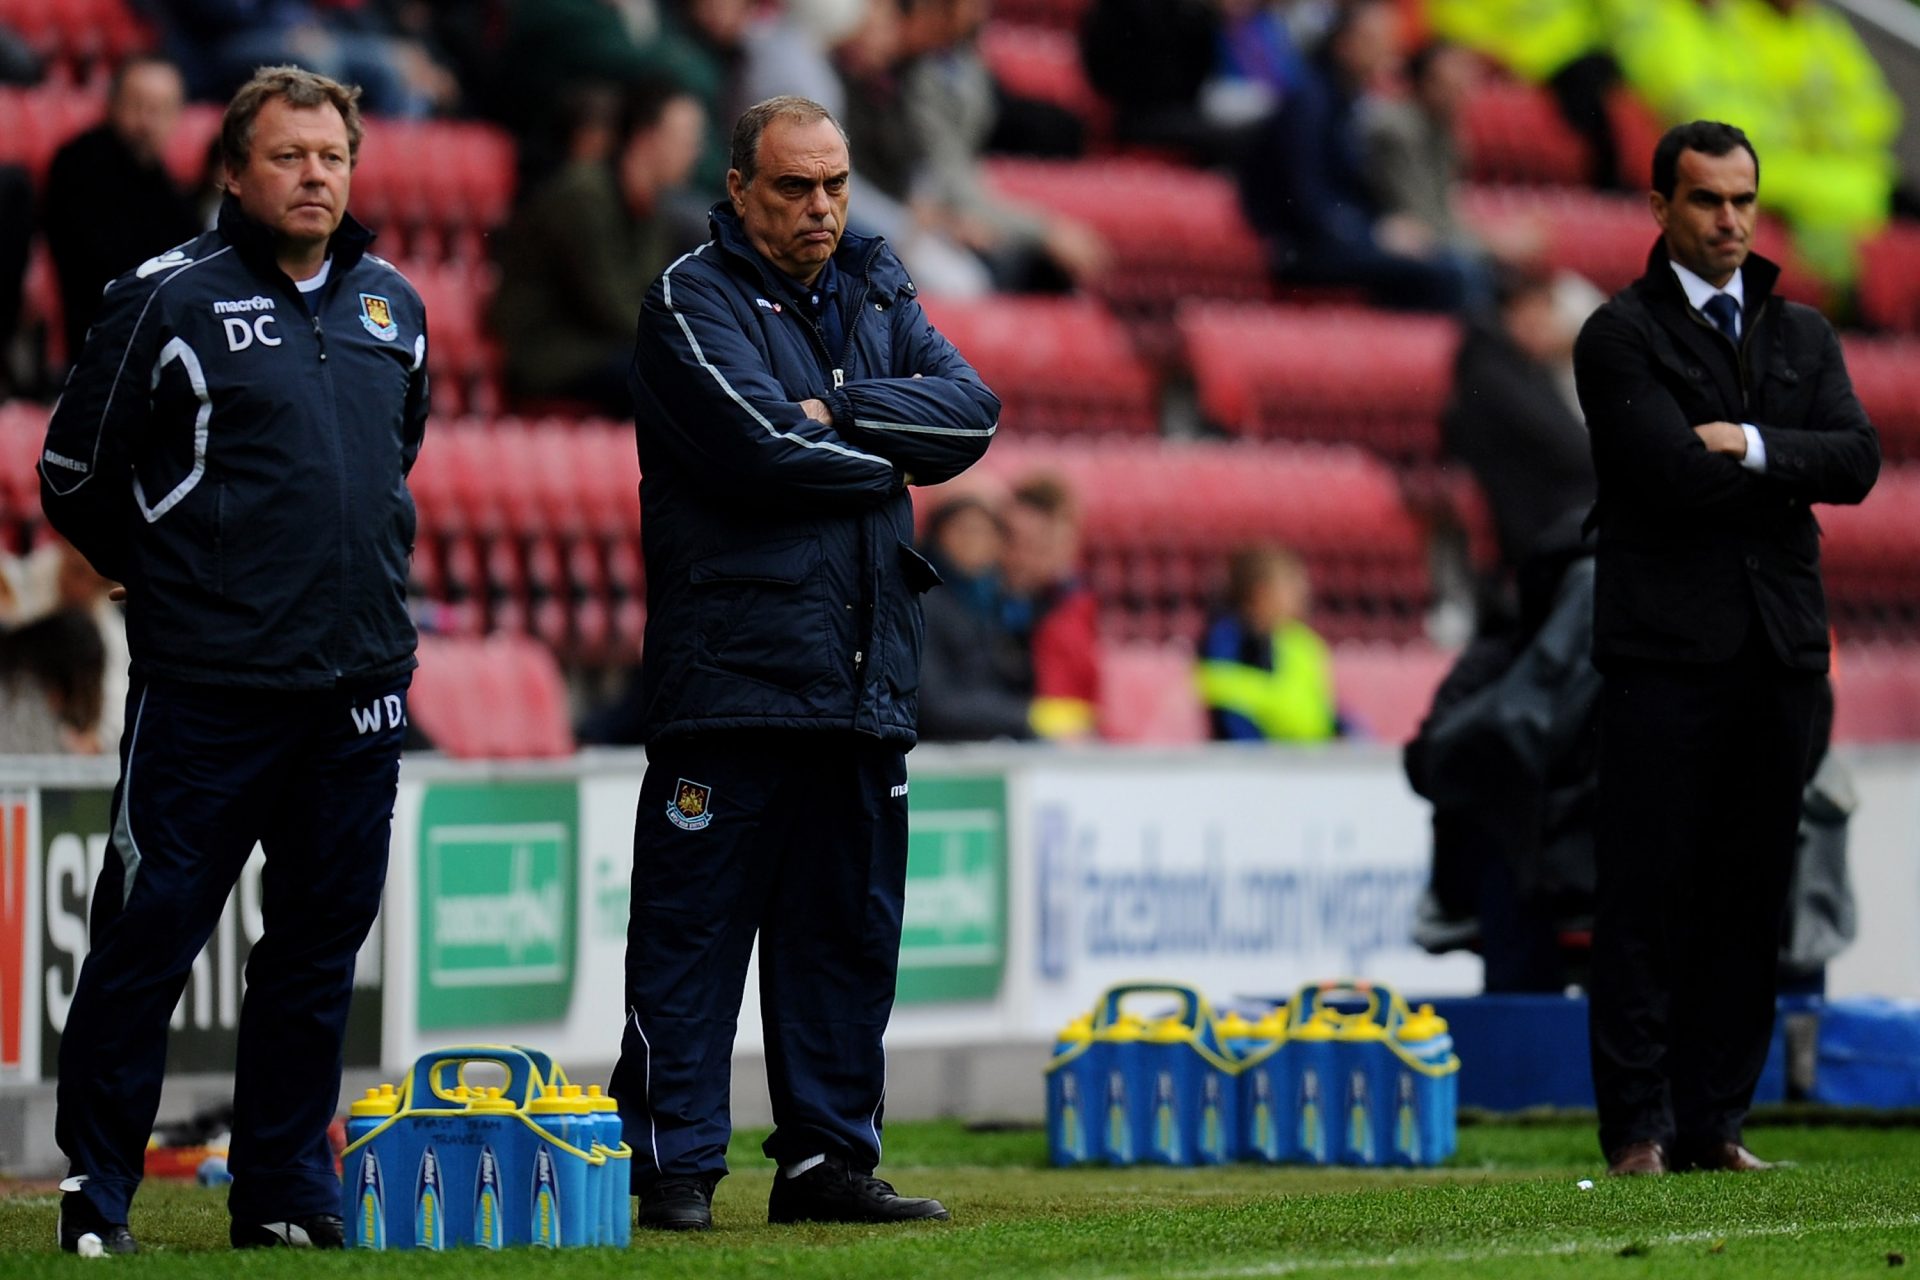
(1698, 293)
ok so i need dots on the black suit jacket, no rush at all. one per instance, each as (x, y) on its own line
(1693, 546)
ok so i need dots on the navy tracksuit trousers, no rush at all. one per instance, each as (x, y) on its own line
(206, 772)
(802, 839)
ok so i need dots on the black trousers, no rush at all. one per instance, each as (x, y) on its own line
(799, 839)
(204, 774)
(1701, 770)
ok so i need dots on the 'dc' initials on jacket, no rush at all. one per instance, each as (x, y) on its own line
(238, 459)
(783, 591)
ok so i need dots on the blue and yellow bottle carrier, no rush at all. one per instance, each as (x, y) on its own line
(1343, 1073)
(440, 1163)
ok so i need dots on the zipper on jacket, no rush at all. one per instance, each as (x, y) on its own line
(339, 475)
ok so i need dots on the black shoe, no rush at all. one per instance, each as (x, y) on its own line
(676, 1204)
(78, 1218)
(831, 1192)
(320, 1231)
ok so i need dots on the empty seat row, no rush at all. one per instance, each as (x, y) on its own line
(1061, 366)
(1303, 373)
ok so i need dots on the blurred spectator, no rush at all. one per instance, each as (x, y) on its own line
(1413, 161)
(55, 578)
(1305, 182)
(1513, 423)
(976, 682)
(705, 39)
(948, 96)
(50, 687)
(1198, 76)
(110, 203)
(1265, 675)
(1557, 43)
(870, 62)
(219, 44)
(1049, 609)
(582, 250)
(789, 50)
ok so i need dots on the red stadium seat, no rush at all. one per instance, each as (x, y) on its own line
(1886, 377)
(23, 433)
(497, 698)
(1890, 288)
(1876, 691)
(1514, 132)
(1061, 366)
(1147, 694)
(1871, 558)
(1175, 232)
(1370, 378)
(1062, 15)
(1386, 689)
(1043, 63)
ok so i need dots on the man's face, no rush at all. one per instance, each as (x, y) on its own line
(795, 209)
(1040, 550)
(1369, 51)
(297, 172)
(147, 108)
(1451, 78)
(971, 541)
(1708, 224)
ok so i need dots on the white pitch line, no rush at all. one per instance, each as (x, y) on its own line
(1385, 1261)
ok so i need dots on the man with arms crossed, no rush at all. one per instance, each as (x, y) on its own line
(787, 388)
(1719, 413)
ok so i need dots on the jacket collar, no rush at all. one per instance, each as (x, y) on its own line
(254, 243)
(858, 257)
(1758, 276)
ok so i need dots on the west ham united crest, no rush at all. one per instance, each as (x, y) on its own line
(377, 314)
(692, 807)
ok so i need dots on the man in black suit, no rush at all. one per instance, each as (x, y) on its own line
(1718, 414)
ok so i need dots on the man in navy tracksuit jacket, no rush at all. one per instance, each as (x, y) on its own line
(233, 447)
(787, 389)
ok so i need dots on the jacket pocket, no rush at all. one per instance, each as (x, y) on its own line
(761, 614)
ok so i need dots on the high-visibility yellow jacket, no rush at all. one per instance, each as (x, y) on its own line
(1290, 701)
(1531, 38)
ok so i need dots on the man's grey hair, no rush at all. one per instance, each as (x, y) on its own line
(300, 88)
(754, 120)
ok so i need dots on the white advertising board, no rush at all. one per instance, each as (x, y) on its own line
(1239, 876)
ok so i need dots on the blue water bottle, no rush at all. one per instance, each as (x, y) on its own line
(560, 1206)
(363, 1180)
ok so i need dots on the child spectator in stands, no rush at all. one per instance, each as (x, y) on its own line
(1305, 187)
(110, 203)
(583, 249)
(1049, 609)
(1264, 674)
(976, 681)
(50, 690)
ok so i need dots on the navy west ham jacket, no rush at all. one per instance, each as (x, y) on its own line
(238, 459)
(783, 591)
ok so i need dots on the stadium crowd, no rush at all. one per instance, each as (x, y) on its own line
(1146, 221)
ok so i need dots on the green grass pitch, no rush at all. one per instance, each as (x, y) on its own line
(1507, 1206)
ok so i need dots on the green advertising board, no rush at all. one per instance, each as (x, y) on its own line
(498, 867)
(954, 943)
